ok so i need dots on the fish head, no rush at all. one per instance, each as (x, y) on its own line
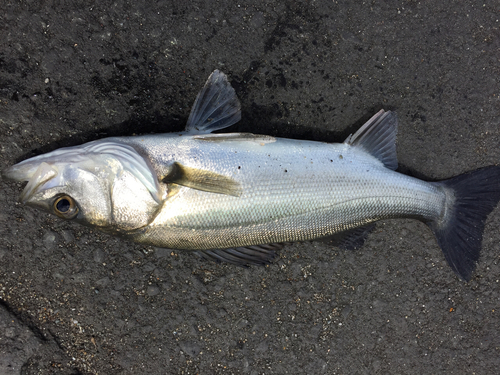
(103, 184)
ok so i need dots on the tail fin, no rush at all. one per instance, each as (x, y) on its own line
(470, 199)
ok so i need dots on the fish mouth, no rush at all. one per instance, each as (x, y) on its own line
(19, 172)
(37, 175)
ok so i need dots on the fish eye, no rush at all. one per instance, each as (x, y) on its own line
(65, 207)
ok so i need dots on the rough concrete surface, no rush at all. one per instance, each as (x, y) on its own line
(75, 301)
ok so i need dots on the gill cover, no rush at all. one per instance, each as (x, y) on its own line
(103, 183)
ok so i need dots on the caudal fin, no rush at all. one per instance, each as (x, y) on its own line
(470, 199)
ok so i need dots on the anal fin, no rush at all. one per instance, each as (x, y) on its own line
(352, 239)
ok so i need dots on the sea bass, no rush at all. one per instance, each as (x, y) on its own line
(235, 197)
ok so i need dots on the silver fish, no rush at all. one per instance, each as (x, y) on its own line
(236, 197)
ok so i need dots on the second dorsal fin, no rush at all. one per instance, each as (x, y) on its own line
(378, 137)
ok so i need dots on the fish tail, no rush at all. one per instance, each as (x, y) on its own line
(459, 231)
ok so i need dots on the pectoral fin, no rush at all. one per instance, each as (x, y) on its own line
(202, 180)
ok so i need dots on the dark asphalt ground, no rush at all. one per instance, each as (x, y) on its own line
(74, 301)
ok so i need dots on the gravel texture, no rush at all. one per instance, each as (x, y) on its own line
(75, 301)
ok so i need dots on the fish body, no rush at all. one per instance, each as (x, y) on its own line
(236, 196)
(290, 190)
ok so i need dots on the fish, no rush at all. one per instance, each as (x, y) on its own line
(238, 197)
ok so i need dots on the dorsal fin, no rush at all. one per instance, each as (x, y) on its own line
(378, 137)
(216, 106)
